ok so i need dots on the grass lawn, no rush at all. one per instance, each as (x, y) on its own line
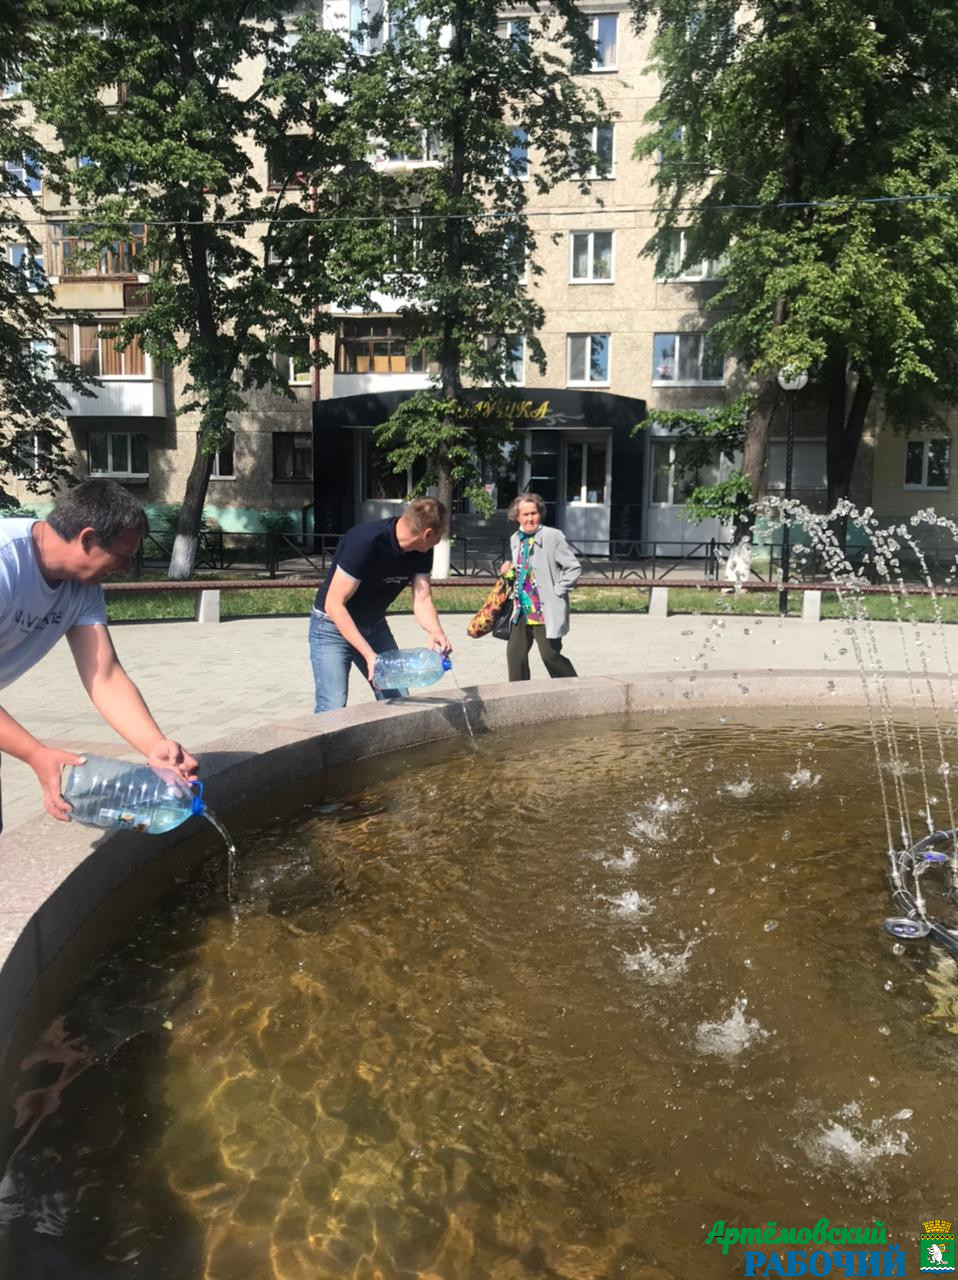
(136, 607)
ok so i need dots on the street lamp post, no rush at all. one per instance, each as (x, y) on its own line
(791, 381)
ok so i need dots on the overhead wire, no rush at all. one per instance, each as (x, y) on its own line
(834, 202)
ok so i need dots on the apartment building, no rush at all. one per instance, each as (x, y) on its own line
(617, 336)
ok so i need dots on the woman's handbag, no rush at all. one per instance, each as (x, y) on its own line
(503, 623)
(497, 605)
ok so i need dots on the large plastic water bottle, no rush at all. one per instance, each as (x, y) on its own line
(116, 794)
(409, 668)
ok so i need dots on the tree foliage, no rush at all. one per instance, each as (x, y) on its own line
(172, 107)
(814, 146)
(503, 116)
(32, 441)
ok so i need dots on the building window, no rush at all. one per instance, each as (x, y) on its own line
(379, 346)
(686, 360)
(585, 471)
(292, 455)
(74, 255)
(366, 25)
(42, 351)
(588, 358)
(30, 263)
(671, 486)
(514, 252)
(500, 476)
(223, 461)
(518, 166)
(517, 30)
(92, 348)
(31, 450)
(603, 28)
(675, 256)
(601, 141)
(590, 257)
(26, 171)
(515, 358)
(927, 464)
(124, 454)
(296, 366)
(380, 483)
(425, 146)
(278, 176)
(510, 352)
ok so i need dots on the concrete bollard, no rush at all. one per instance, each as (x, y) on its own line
(811, 606)
(659, 602)
(207, 606)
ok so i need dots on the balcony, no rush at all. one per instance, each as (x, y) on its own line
(118, 398)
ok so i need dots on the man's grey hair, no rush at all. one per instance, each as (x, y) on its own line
(101, 505)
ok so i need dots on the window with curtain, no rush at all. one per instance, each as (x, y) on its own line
(119, 453)
(591, 257)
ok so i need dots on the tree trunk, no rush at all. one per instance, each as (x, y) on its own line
(194, 254)
(442, 556)
(755, 450)
(450, 387)
(844, 427)
(183, 557)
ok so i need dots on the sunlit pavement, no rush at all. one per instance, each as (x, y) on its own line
(205, 682)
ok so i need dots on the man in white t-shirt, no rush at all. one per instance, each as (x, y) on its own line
(50, 575)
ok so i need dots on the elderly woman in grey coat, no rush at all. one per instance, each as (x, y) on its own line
(546, 570)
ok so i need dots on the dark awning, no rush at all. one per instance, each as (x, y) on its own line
(542, 407)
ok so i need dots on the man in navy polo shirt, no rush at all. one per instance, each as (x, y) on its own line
(373, 563)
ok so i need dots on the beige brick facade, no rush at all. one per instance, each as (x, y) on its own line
(134, 417)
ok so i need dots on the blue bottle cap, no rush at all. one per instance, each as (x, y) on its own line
(446, 662)
(198, 805)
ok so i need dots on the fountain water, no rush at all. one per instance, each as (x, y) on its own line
(910, 859)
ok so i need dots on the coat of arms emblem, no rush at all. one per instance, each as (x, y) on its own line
(937, 1251)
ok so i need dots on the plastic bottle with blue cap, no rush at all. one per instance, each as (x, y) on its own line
(409, 668)
(118, 795)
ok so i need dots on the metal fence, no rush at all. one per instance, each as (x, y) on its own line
(619, 559)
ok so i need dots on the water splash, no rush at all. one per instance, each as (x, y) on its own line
(647, 829)
(661, 968)
(740, 790)
(802, 777)
(732, 1036)
(630, 903)
(624, 863)
(849, 1140)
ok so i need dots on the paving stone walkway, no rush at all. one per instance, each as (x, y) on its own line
(204, 682)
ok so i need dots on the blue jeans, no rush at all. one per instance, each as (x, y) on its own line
(331, 657)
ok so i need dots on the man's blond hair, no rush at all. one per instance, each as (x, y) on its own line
(426, 513)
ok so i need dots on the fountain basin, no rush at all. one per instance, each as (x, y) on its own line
(112, 879)
(59, 880)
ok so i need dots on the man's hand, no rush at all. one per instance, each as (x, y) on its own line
(439, 641)
(167, 754)
(371, 659)
(47, 763)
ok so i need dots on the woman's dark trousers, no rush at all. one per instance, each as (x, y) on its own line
(517, 652)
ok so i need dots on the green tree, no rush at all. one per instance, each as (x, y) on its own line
(31, 408)
(499, 112)
(238, 269)
(799, 142)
